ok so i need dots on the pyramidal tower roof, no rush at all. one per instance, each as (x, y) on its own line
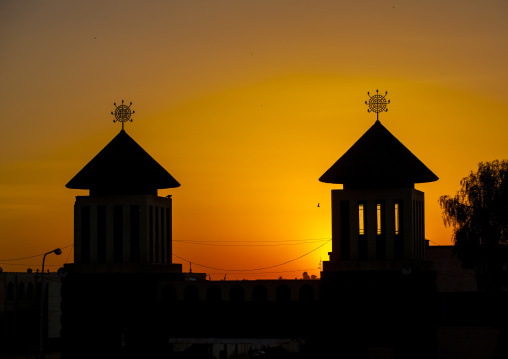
(378, 160)
(122, 167)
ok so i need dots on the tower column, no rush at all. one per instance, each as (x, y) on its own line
(371, 229)
(390, 228)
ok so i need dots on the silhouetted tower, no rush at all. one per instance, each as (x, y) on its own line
(378, 216)
(123, 222)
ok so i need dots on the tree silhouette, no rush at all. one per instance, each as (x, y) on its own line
(478, 214)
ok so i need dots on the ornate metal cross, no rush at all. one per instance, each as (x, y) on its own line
(377, 103)
(122, 113)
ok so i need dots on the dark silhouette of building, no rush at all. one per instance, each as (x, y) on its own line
(377, 297)
(378, 217)
(377, 274)
(20, 305)
(123, 223)
(123, 249)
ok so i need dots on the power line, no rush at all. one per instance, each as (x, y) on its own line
(37, 255)
(257, 241)
(68, 255)
(8, 261)
(32, 265)
(246, 243)
(256, 269)
(257, 273)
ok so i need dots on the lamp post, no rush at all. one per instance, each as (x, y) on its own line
(57, 251)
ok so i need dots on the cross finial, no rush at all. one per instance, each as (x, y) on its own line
(122, 113)
(377, 103)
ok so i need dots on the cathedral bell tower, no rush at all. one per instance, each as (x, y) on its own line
(123, 225)
(378, 216)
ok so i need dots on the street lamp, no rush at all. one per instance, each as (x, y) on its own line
(57, 251)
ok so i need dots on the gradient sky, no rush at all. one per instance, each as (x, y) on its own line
(246, 103)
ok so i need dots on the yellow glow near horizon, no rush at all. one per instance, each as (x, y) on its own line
(246, 104)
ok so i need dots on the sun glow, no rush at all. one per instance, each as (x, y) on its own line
(246, 104)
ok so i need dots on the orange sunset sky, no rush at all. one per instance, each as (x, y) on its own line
(246, 103)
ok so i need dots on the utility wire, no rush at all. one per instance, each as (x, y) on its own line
(32, 265)
(7, 261)
(433, 242)
(37, 255)
(246, 243)
(257, 273)
(253, 241)
(252, 270)
(68, 255)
